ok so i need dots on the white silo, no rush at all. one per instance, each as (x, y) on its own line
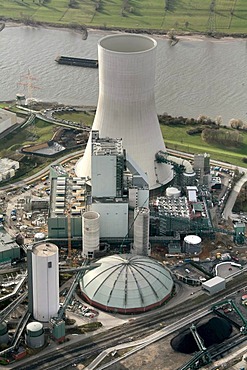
(45, 281)
(35, 337)
(141, 231)
(126, 104)
(90, 233)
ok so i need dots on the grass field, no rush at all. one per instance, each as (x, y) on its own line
(177, 138)
(226, 16)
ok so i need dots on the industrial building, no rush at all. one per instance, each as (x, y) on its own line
(214, 285)
(181, 214)
(43, 281)
(126, 105)
(68, 198)
(9, 249)
(8, 168)
(202, 168)
(127, 284)
(108, 165)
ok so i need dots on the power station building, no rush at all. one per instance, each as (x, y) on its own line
(126, 105)
(67, 203)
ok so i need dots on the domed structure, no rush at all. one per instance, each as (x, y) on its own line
(127, 284)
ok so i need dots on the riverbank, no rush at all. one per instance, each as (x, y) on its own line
(197, 36)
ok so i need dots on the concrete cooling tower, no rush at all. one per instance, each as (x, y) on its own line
(126, 105)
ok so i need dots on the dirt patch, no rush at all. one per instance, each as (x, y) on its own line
(158, 356)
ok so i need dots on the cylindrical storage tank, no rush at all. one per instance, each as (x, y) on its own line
(35, 337)
(189, 178)
(126, 105)
(38, 237)
(4, 336)
(173, 192)
(45, 281)
(141, 231)
(90, 232)
(192, 244)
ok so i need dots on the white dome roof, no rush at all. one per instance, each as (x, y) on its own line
(127, 283)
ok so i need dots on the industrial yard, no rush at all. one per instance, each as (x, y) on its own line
(124, 246)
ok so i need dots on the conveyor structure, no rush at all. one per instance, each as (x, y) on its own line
(243, 328)
(200, 358)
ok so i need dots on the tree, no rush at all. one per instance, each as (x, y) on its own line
(236, 123)
(218, 120)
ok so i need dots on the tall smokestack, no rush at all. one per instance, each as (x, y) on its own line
(126, 105)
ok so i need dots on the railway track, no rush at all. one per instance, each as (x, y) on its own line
(136, 329)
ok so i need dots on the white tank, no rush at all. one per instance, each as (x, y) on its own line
(192, 244)
(35, 337)
(126, 105)
(141, 231)
(90, 232)
(45, 281)
(172, 192)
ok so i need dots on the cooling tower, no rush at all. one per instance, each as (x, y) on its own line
(126, 105)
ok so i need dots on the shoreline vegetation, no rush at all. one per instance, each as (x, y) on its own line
(9, 22)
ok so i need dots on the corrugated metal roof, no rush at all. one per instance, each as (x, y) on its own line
(127, 282)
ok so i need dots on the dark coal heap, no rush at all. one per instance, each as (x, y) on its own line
(216, 330)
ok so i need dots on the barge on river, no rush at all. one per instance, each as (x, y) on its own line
(81, 62)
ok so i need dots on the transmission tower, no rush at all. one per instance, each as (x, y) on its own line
(211, 24)
(27, 81)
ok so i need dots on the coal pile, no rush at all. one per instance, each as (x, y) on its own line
(214, 331)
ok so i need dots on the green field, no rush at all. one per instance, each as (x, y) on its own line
(175, 137)
(226, 16)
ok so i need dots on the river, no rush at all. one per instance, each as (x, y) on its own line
(196, 76)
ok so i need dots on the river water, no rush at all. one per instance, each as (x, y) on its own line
(196, 76)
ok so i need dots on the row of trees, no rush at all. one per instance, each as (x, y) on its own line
(234, 123)
(220, 136)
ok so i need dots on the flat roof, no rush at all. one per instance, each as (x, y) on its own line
(214, 281)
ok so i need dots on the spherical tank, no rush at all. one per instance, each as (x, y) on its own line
(126, 105)
(90, 232)
(141, 231)
(45, 281)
